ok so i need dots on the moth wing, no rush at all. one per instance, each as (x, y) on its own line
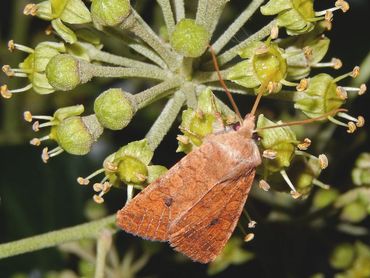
(150, 213)
(202, 232)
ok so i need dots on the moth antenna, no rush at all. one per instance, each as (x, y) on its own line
(307, 121)
(222, 82)
(257, 101)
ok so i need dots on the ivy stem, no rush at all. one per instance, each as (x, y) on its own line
(179, 9)
(236, 25)
(233, 52)
(106, 57)
(165, 120)
(209, 76)
(104, 243)
(137, 47)
(88, 71)
(209, 12)
(82, 231)
(135, 24)
(167, 14)
(156, 92)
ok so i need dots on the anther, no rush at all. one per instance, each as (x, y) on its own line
(360, 121)
(98, 199)
(97, 187)
(269, 154)
(45, 155)
(109, 166)
(27, 116)
(295, 194)
(249, 237)
(35, 142)
(11, 45)
(252, 224)
(355, 72)
(8, 70)
(351, 127)
(337, 63)
(183, 139)
(30, 9)
(264, 185)
(5, 93)
(323, 160)
(305, 144)
(362, 90)
(341, 92)
(343, 5)
(302, 85)
(83, 181)
(36, 126)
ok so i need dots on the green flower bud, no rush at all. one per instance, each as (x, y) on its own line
(189, 39)
(110, 12)
(114, 109)
(77, 134)
(320, 97)
(297, 16)
(342, 256)
(264, 64)
(354, 212)
(361, 172)
(324, 197)
(63, 72)
(281, 140)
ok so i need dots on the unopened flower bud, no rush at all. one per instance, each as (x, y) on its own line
(114, 109)
(189, 38)
(110, 12)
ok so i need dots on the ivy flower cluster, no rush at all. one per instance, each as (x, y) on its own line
(277, 60)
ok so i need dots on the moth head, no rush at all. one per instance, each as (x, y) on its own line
(247, 126)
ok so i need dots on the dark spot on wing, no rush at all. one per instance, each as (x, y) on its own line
(213, 222)
(168, 201)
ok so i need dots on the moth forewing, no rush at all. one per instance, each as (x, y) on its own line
(224, 162)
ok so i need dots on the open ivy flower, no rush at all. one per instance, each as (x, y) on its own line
(60, 12)
(264, 67)
(279, 148)
(130, 165)
(299, 16)
(73, 133)
(306, 52)
(322, 95)
(33, 67)
(196, 124)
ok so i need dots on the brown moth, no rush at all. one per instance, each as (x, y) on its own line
(196, 205)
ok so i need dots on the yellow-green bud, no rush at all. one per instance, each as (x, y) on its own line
(77, 134)
(110, 12)
(324, 197)
(342, 256)
(114, 109)
(354, 212)
(63, 72)
(189, 39)
(361, 172)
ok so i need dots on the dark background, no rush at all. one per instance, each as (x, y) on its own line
(36, 198)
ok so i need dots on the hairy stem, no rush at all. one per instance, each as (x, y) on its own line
(92, 70)
(165, 120)
(233, 52)
(135, 24)
(167, 14)
(209, 12)
(179, 9)
(236, 25)
(103, 245)
(106, 57)
(87, 230)
(156, 92)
